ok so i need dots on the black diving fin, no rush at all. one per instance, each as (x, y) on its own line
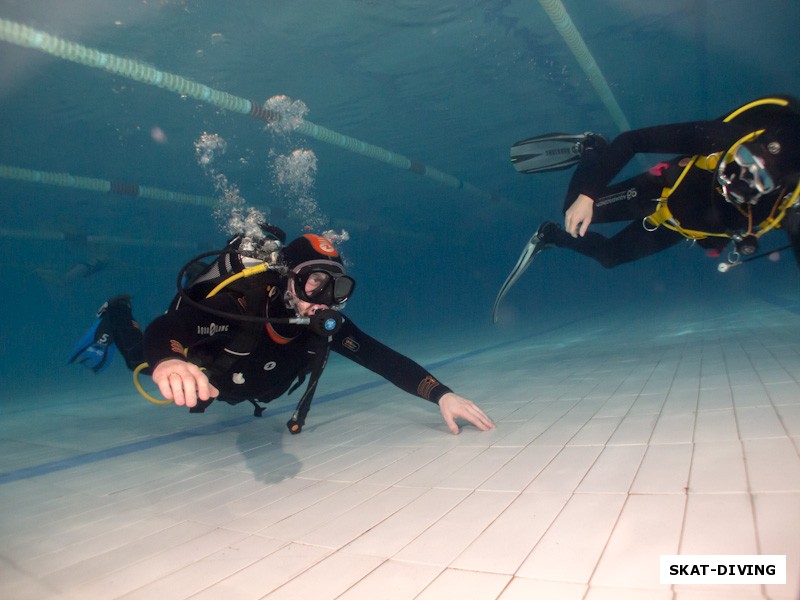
(552, 151)
(534, 246)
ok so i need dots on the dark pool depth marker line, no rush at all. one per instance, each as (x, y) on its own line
(214, 428)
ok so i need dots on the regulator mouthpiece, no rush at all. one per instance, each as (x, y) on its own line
(326, 321)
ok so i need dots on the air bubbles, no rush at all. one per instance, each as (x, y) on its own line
(231, 210)
(335, 237)
(294, 175)
(290, 113)
(209, 146)
(294, 172)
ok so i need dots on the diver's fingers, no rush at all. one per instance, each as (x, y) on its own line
(204, 388)
(477, 417)
(483, 421)
(189, 389)
(453, 406)
(568, 223)
(572, 222)
(165, 388)
(584, 227)
(579, 216)
(451, 423)
(177, 381)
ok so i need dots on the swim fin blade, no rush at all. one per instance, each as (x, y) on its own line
(534, 246)
(95, 349)
(552, 151)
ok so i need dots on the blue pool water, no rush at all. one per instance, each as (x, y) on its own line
(451, 84)
(645, 411)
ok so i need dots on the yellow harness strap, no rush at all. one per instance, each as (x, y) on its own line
(663, 217)
(772, 222)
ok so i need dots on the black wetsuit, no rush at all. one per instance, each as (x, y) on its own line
(696, 203)
(278, 354)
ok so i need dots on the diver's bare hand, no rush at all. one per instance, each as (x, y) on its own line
(183, 382)
(453, 406)
(579, 216)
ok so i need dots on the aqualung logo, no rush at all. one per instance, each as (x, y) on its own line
(211, 329)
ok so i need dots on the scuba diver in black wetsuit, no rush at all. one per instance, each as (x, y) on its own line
(735, 179)
(252, 324)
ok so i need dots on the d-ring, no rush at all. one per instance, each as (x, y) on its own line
(646, 228)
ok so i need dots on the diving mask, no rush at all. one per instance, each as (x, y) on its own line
(322, 282)
(744, 176)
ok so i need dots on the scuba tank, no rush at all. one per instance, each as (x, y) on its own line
(198, 279)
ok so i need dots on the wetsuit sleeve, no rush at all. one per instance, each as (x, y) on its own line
(599, 167)
(169, 335)
(409, 376)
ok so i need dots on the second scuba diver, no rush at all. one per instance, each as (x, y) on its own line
(734, 179)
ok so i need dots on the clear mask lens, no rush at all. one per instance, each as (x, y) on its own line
(323, 287)
(753, 170)
(745, 178)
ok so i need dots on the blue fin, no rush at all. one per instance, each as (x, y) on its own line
(95, 349)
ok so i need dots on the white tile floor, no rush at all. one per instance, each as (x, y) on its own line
(616, 443)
